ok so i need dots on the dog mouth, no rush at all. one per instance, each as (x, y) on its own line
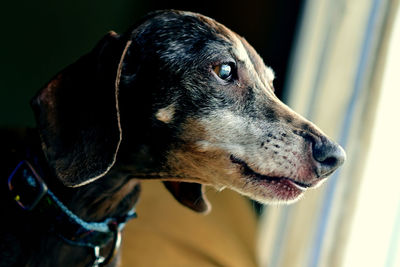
(283, 188)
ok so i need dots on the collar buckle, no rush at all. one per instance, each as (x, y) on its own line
(26, 186)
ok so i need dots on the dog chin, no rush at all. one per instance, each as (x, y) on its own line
(277, 201)
(266, 192)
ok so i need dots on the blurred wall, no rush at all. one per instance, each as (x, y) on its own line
(39, 38)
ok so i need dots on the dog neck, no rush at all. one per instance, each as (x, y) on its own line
(111, 196)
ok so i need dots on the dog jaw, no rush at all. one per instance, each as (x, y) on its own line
(211, 143)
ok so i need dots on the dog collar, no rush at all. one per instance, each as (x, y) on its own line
(32, 194)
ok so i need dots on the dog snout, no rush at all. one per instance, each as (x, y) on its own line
(328, 155)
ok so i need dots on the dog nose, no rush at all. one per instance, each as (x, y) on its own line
(329, 156)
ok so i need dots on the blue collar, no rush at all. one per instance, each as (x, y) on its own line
(32, 194)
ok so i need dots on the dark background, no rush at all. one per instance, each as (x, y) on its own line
(39, 38)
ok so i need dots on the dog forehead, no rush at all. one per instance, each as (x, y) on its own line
(241, 49)
(180, 36)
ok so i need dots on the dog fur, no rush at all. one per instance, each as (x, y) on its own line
(149, 104)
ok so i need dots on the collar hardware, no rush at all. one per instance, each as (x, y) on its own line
(26, 186)
(102, 261)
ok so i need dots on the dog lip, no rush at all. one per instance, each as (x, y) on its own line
(300, 184)
(249, 172)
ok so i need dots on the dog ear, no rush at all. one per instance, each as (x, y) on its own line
(77, 114)
(190, 195)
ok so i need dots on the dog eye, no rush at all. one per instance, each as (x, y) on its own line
(224, 71)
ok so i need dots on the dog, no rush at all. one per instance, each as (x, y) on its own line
(179, 98)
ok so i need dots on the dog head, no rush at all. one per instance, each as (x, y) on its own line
(193, 104)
